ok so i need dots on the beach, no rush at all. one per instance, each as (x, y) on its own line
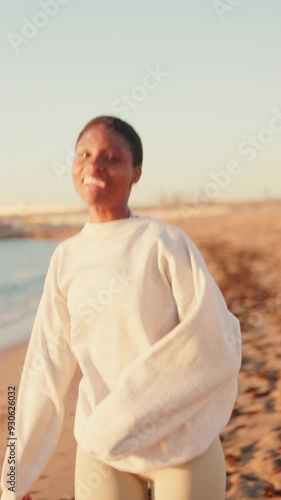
(241, 245)
(242, 250)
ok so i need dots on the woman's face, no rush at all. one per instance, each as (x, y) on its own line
(103, 168)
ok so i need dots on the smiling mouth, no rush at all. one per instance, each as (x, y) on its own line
(93, 182)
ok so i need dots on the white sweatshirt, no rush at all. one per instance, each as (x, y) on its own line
(131, 304)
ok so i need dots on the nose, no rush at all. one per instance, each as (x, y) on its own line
(95, 164)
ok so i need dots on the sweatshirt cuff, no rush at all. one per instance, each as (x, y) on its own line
(10, 495)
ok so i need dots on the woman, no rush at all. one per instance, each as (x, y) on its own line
(130, 303)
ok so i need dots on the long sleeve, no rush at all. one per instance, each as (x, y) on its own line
(187, 378)
(44, 390)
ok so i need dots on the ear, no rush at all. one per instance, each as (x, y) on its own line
(138, 172)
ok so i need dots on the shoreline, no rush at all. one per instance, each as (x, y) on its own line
(67, 224)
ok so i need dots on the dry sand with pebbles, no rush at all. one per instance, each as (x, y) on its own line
(242, 249)
(241, 246)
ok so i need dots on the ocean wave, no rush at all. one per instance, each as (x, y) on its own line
(10, 315)
(16, 285)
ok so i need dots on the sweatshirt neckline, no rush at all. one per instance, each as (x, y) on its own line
(109, 228)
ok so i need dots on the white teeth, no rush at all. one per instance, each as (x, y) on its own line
(94, 180)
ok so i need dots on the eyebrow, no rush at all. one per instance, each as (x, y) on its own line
(106, 148)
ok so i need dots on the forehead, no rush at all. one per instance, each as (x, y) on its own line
(100, 136)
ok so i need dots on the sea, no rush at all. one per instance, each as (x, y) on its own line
(23, 266)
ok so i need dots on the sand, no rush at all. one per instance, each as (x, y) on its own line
(57, 480)
(242, 249)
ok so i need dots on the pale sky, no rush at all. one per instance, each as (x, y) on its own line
(199, 80)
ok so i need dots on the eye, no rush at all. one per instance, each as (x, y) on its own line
(82, 153)
(111, 158)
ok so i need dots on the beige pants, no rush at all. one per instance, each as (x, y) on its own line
(203, 478)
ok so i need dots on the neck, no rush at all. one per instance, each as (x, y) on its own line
(100, 214)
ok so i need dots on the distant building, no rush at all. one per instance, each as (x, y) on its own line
(10, 225)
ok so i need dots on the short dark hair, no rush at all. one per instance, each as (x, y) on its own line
(123, 128)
